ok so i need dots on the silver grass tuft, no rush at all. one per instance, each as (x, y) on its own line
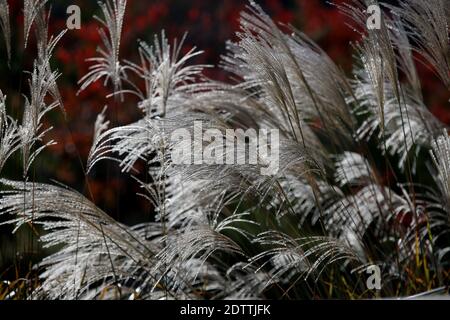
(31, 10)
(108, 65)
(9, 133)
(228, 231)
(427, 24)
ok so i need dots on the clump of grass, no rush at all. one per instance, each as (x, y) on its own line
(348, 194)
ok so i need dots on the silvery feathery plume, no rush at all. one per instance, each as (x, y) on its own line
(227, 230)
(42, 84)
(170, 95)
(291, 257)
(46, 44)
(101, 125)
(5, 26)
(438, 202)
(427, 24)
(84, 233)
(288, 73)
(169, 85)
(163, 69)
(376, 52)
(31, 9)
(405, 56)
(9, 134)
(441, 158)
(36, 107)
(107, 65)
(408, 124)
(393, 107)
(431, 208)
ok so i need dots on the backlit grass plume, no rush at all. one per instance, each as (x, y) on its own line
(363, 179)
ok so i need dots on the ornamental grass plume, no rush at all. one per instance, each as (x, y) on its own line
(363, 174)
